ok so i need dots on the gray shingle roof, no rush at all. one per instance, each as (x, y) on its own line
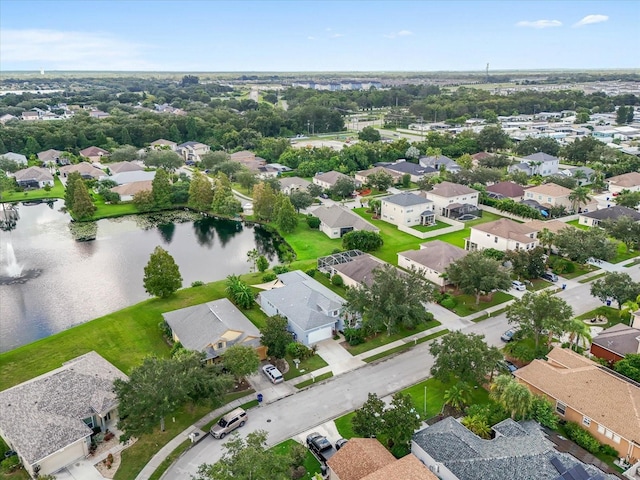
(519, 450)
(302, 300)
(361, 268)
(37, 174)
(436, 255)
(45, 414)
(336, 216)
(541, 157)
(612, 213)
(406, 199)
(619, 339)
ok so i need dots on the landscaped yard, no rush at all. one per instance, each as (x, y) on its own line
(623, 254)
(612, 314)
(306, 366)
(431, 228)
(384, 339)
(457, 238)
(104, 210)
(57, 191)
(310, 243)
(466, 304)
(576, 223)
(538, 284)
(311, 463)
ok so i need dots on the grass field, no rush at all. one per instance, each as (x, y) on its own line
(313, 380)
(467, 303)
(457, 238)
(307, 365)
(311, 463)
(406, 346)
(431, 228)
(57, 191)
(623, 255)
(612, 314)
(383, 339)
(576, 223)
(110, 210)
(309, 243)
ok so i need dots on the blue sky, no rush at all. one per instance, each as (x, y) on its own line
(318, 36)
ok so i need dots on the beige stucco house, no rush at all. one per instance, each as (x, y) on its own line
(627, 181)
(432, 260)
(336, 221)
(452, 199)
(407, 209)
(503, 235)
(94, 154)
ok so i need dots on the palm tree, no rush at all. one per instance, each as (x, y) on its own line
(546, 238)
(478, 425)
(458, 395)
(579, 196)
(579, 175)
(577, 330)
(514, 397)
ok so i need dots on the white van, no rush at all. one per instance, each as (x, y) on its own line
(228, 423)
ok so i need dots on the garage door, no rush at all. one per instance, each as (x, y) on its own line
(320, 334)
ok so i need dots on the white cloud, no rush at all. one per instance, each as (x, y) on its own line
(337, 35)
(401, 33)
(311, 38)
(589, 19)
(539, 23)
(71, 50)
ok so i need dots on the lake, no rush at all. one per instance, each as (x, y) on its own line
(70, 282)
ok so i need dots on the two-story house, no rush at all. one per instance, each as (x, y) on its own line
(628, 181)
(192, 151)
(549, 195)
(539, 163)
(162, 144)
(503, 235)
(407, 209)
(453, 200)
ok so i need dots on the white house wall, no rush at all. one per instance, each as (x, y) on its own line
(62, 458)
(427, 273)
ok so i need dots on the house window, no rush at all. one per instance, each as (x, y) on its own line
(616, 438)
(586, 421)
(561, 408)
(89, 422)
(495, 239)
(608, 433)
(600, 429)
(220, 345)
(517, 246)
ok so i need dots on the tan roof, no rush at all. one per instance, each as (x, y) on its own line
(507, 228)
(550, 190)
(83, 168)
(359, 458)
(49, 155)
(124, 167)
(448, 189)
(626, 180)
(365, 173)
(133, 187)
(436, 255)
(93, 152)
(552, 225)
(406, 468)
(162, 141)
(588, 388)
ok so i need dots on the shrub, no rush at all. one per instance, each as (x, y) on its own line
(582, 437)
(47, 188)
(269, 277)
(608, 450)
(355, 336)
(280, 269)
(10, 464)
(311, 272)
(362, 240)
(298, 350)
(197, 283)
(176, 349)
(337, 280)
(449, 303)
(313, 222)
(561, 266)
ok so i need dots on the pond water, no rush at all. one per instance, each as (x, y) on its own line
(67, 282)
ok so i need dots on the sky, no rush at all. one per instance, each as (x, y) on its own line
(306, 35)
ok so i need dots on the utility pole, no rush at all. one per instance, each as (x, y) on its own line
(487, 73)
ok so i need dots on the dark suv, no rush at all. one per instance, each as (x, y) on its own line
(320, 446)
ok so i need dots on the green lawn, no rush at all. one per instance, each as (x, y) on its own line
(576, 223)
(612, 314)
(309, 243)
(343, 424)
(405, 346)
(466, 304)
(457, 238)
(384, 339)
(592, 278)
(313, 380)
(307, 365)
(623, 255)
(311, 463)
(110, 210)
(580, 270)
(57, 191)
(538, 284)
(431, 228)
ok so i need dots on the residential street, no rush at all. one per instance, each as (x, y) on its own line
(302, 411)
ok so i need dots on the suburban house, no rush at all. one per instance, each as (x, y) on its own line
(249, 160)
(416, 171)
(432, 260)
(293, 184)
(213, 327)
(128, 190)
(407, 209)
(538, 163)
(627, 181)
(30, 116)
(355, 267)
(614, 343)
(313, 311)
(94, 154)
(509, 190)
(367, 459)
(162, 144)
(504, 234)
(335, 221)
(52, 157)
(363, 175)
(329, 179)
(583, 178)
(476, 158)
(439, 162)
(601, 401)
(86, 171)
(452, 200)
(34, 177)
(15, 157)
(7, 117)
(518, 450)
(549, 195)
(593, 219)
(49, 420)
(120, 167)
(192, 151)
(554, 226)
(133, 176)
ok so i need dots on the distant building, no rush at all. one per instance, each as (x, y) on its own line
(94, 154)
(15, 157)
(34, 177)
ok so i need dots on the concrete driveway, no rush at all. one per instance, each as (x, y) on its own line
(338, 359)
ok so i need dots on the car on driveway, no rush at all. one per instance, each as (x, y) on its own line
(521, 287)
(341, 443)
(506, 366)
(320, 446)
(272, 373)
(552, 277)
(508, 335)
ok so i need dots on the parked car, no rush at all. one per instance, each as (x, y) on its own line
(508, 335)
(229, 422)
(320, 446)
(505, 365)
(341, 443)
(324, 195)
(521, 287)
(11, 453)
(552, 277)
(272, 373)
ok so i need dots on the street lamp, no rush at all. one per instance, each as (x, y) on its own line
(308, 124)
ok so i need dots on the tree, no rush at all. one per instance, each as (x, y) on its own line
(143, 201)
(465, 161)
(239, 292)
(629, 366)
(458, 396)
(69, 194)
(362, 240)
(286, 217)
(617, 286)
(264, 199)
(160, 386)
(400, 420)
(240, 360)
(476, 274)
(627, 198)
(513, 396)
(343, 187)
(543, 412)
(465, 357)
(161, 275)
(622, 115)
(412, 152)
(276, 336)
(532, 145)
(300, 200)
(31, 146)
(83, 207)
(211, 159)
(246, 179)
(577, 330)
(625, 229)
(367, 421)
(380, 180)
(369, 134)
(314, 190)
(394, 298)
(579, 196)
(161, 190)
(547, 237)
(166, 159)
(581, 245)
(537, 313)
(262, 263)
(492, 138)
(526, 263)
(126, 153)
(478, 425)
(200, 192)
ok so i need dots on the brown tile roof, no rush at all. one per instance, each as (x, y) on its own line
(93, 152)
(365, 173)
(506, 228)
(83, 168)
(123, 167)
(361, 268)
(626, 180)
(360, 457)
(436, 255)
(507, 189)
(552, 225)
(550, 190)
(406, 468)
(588, 388)
(448, 189)
(133, 187)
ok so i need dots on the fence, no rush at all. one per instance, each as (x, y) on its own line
(455, 227)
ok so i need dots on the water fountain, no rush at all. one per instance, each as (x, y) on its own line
(13, 268)
(13, 271)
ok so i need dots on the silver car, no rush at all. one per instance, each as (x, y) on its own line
(272, 373)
